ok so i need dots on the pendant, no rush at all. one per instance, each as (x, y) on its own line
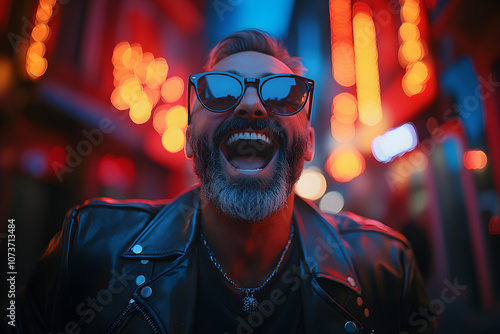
(249, 303)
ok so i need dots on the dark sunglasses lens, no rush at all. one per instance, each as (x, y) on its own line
(218, 92)
(284, 95)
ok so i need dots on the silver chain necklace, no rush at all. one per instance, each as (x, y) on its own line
(249, 302)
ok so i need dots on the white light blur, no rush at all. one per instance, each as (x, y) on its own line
(395, 142)
(332, 202)
(311, 184)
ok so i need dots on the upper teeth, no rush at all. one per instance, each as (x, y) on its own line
(249, 136)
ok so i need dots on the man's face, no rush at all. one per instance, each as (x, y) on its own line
(248, 159)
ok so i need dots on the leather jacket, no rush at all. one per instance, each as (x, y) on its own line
(129, 267)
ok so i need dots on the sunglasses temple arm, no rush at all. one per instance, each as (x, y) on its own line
(310, 104)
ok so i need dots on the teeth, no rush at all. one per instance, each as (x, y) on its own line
(248, 136)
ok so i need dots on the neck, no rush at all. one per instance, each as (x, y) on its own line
(248, 252)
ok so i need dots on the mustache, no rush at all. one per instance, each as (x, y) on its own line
(272, 128)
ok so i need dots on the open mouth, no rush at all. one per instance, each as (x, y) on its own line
(249, 150)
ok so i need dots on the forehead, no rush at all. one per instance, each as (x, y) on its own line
(252, 64)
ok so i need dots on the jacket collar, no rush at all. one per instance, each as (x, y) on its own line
(173, 230)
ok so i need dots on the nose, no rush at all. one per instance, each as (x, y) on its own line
(250, 106)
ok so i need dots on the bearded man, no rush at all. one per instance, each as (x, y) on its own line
(241, 253)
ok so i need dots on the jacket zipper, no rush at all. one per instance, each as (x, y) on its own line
(124, 313)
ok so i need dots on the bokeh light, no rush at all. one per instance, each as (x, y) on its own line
(344, 108)
(177, 117)
(140, 110)
(475, 159)
(366, 63)
(342, 132)
(342, 42)
(156, 72)
(395, 142)
(36, 64)
(172, 89)
(173, 139)
(332, 202)
(40, 32)
(345, 163)
(311, 184)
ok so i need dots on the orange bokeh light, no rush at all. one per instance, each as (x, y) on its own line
(157, 72)
(140, 111)
(475, 159)
(37, 68)
(344, 108)
(173, 139)
(366, 63)
(410, 11)
(416, 76)
(141, 70)
(172, 89)
(341, 42)
(118, 52)
(40, 32)
(177, 117)
(409, 32)
(132, 56)
(48, 2)
(36, 48)
(342, 132)
(410, 51)
(117, 100)
(43, 12)
(159, 119)
(344, 164)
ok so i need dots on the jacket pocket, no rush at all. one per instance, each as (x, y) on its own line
(133, 316)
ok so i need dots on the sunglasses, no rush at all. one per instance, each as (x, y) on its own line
(282, 94)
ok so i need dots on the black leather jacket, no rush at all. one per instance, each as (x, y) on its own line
(129, 267)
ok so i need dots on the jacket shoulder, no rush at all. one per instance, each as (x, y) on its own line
(105, 203)
(352, 225)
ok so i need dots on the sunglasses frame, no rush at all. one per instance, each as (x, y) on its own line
(244, 83)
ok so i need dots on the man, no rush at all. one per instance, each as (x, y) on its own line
(241, 254)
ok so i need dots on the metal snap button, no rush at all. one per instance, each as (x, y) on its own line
(140, 280)
(146, 292)
(137, 249)
(350, 327)
(351, 281)
(359, 301)
(144, 261)
(367, 312)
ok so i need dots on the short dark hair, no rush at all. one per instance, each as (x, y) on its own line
(253, 40)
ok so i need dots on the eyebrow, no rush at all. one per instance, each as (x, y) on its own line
(262, 75)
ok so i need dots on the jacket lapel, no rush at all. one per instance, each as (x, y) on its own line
(168, 242)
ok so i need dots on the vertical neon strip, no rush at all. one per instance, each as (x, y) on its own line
(366, 64)
(341, 42)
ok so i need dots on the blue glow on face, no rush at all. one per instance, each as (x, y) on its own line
(228, 16)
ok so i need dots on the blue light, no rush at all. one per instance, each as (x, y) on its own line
(228, 16)
(34, 161)
(395, 142)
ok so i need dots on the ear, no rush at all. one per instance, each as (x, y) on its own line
(188, 150)
(310, 143)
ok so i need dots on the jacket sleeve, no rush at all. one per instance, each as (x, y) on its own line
(416, 315)
(37, 302)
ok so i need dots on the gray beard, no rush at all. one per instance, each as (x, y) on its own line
(250, 199)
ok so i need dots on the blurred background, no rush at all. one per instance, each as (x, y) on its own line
(406, 112)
